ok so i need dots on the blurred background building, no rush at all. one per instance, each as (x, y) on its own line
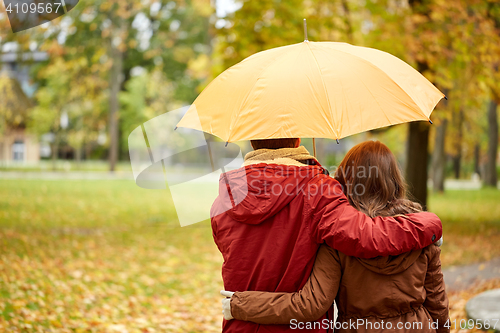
(17, 146)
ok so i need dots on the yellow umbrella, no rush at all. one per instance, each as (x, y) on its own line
(311, 89)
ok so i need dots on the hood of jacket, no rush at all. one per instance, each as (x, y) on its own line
(268, 181)
(391, 264)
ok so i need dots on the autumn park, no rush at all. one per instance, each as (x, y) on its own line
(85, 247)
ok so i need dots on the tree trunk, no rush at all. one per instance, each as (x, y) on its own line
(78, 157)
(490, 177)
(320, 150)
(476, 159)
(418, 137)
(416, 161)
(114, 106)
(55, 150)
(456, 165)
(88, 150)
(439, 157)
(458, 119)
(347, 21)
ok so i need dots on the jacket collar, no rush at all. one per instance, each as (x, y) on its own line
(285, 156)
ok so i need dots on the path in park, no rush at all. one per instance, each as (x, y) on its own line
(464, 276)
(450, 184)
(71, 175)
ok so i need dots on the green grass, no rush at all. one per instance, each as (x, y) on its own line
(471, 224)
(102, 256)
(468, 212)
(88, 255)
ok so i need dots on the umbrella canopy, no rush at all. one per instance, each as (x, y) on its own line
(311, 89)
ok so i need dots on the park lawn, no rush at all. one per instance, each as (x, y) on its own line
(103, 256)
(471, 225)
(107, 256)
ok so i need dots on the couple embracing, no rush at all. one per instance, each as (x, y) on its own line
(295, 239)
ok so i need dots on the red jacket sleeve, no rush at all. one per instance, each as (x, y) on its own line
(338, 224)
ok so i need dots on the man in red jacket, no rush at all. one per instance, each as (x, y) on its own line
(272, 214)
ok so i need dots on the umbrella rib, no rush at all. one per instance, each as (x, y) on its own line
(324, 87)
(373, 65)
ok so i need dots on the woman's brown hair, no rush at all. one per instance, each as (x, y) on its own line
(372, 181)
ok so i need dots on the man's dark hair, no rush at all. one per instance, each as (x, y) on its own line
(274, 143)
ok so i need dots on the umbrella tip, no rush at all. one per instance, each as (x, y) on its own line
(430, 121)
(226, 143)
(305, 31)
(175, 128)
(446, 98)
(338, 142)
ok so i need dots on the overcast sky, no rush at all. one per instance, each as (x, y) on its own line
(225, 7)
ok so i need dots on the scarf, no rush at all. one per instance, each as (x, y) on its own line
(287, 156)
